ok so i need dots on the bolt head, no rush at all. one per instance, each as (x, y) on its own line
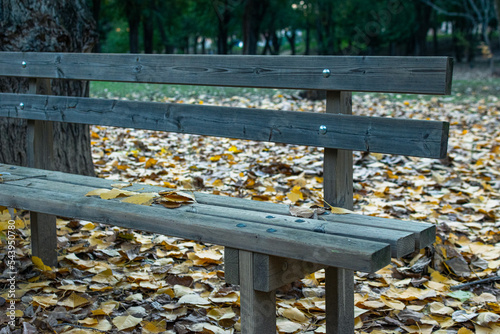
(323, 129)
(326, 73)
(24, 64)
(21, 105)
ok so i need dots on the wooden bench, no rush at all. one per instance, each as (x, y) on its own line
(266, 247)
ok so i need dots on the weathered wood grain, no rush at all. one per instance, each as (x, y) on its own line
(274, 272)
(258, 309)
(425, 75)
(371, 134)
(331, 250)
(338, 192)
(424, 233)
(231, 265)
(40, 154)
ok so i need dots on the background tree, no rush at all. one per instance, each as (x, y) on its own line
(253, 15)
(47, 26)
(478, 13)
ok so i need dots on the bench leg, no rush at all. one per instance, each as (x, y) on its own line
(339, 298)
(44, 237)
(258, 309)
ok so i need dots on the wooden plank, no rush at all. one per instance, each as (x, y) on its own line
(362, 133)
(330, 250)
(274, 272)
(424, 75)
(40, 154)
(338, 192)
(231, 265)
(402, 243)
(424, 233)
(258, 309)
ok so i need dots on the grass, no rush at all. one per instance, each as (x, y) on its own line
(154, 92)
(465, 91)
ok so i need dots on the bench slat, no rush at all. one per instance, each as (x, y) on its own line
(424, 234)
(362, 133)
(402, 243)
(327, 249)
(420, 75)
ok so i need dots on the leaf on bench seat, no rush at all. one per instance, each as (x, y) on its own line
(174, 199)
(141, 199)
(110, 194)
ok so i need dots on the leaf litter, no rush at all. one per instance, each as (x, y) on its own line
(112, 279)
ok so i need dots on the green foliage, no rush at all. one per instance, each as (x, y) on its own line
(348, 27)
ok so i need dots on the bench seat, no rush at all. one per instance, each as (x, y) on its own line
(331, 240)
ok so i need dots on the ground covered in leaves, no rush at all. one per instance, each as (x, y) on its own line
(116, 280)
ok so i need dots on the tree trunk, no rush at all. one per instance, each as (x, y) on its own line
(308, 39)
(291, 40)
(148, 30)
(224, 17)
(133, 13)
(252, 17)
(96, 13)
(47, 26)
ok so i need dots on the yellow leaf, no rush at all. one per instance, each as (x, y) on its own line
(141, 199)
(340, 211)
(394, 304)
(126, 322)
(215, 158)
(96, 192)
(218, 183)
(464, 330)
(39, 264)
(115, 193)
(440, 308)
(151, 162)
(294, 197)
(234, 149)
(174, 199)
(45, 301)
(287, 326)
(221, 313)
(105, 277)
(373, 304)
(74, 300)
(294, 314)
(106, 308)
(89, 321)
(88, 227)
(154, 326)
(77, 288)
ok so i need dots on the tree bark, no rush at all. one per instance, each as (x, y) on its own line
(47, 26)
(252, 17)
(96, 13)
(133, 13)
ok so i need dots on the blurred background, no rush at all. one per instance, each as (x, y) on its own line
(465, 29)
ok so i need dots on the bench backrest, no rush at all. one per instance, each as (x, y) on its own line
(419, 75)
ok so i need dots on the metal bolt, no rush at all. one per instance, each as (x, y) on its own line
(323, 129)
(21, 105)
(326, 73)
(24, 64)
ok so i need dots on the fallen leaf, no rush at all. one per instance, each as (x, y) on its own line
(39, 264)
(126, 322)
(141, 199)
(74, 300)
